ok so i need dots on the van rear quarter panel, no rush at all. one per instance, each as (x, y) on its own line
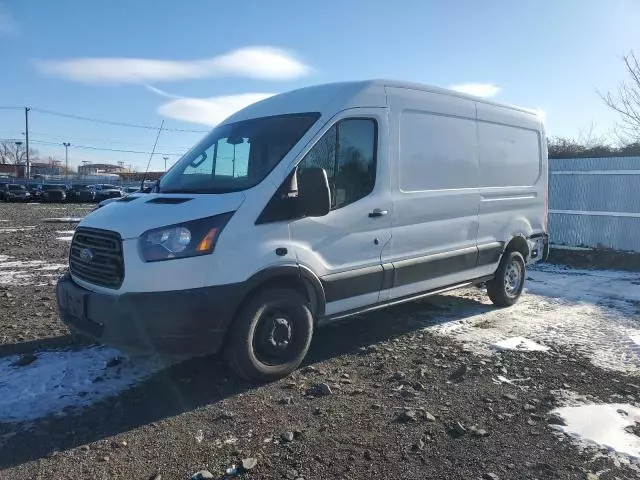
(514, 177)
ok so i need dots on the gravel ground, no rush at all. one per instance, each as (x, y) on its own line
(404, 400)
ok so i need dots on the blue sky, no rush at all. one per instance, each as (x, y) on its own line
(190, 63)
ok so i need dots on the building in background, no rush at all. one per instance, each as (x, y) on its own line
(100, 168)
(43, 168)
(139, 176)
(8, 170)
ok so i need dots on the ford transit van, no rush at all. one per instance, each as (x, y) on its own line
(309, 207)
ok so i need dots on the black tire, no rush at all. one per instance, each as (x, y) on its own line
(257, 347)
(503, 290)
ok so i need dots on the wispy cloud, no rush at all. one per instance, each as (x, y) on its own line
(162, 93)
(260, 62)
(484, 90)
(8, 24)
(208, 111)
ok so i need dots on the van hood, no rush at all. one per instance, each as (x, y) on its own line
(133, 215)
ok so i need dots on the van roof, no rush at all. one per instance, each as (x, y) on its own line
(342, 95)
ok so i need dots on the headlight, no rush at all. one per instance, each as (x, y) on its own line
(189, 239)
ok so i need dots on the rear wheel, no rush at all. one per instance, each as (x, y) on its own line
(270, 336)
(505, 289)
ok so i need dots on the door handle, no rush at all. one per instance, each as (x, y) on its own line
(377, 213)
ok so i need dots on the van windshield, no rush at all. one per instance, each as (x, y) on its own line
(236, 156)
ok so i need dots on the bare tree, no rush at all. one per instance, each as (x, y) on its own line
(14, 153)
(590, 139)
(563, 147)
(626, 101)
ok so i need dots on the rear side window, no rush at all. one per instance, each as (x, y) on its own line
(509, 156)
(437, 152)
(347, 151)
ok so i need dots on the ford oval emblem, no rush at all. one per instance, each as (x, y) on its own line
(86, 254)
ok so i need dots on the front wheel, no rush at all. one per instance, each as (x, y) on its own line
(506, 287)
(270, 336)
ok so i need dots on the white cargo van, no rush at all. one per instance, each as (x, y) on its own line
(311, 206)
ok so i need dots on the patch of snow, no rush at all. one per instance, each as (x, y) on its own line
(603, 425)
(21, 272)
(52, 266)
(595, 286)
(16, 229)
(521, 344)
(63, 220)
(568, 247)
(64, 239)
(22, 263)
(15, 277)
(513, 382)
(65, 232)
(593, 312)
(60, 380)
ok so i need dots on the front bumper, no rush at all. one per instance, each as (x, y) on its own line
(182, 323)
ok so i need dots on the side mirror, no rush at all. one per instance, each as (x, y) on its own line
(313, 192)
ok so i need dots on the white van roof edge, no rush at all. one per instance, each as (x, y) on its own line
(447, 91)
(325, 94)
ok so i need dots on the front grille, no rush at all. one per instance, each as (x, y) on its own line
(106, 265)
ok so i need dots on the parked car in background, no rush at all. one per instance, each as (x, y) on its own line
(11, 192)
(35, 189)
(130, 190)
(54, 193)
(104, 202)
(73, 192)
(136, 193)
(104, 191)
(86, 194)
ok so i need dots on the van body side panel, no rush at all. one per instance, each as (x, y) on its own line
(434, 188)
(513, 180)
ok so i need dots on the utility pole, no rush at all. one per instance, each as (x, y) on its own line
(165, 163)
(26, 135)
(66, 159)
(18, 143)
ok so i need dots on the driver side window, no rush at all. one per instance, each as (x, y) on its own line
(347, 152)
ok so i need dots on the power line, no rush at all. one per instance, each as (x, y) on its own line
(89, 139)
(11, 108)
(87, 147)
(110, 122)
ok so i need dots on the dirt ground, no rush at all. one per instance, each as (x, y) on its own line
(415, 392)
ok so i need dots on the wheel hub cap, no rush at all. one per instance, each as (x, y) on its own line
(512, 278)
(280, 334)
